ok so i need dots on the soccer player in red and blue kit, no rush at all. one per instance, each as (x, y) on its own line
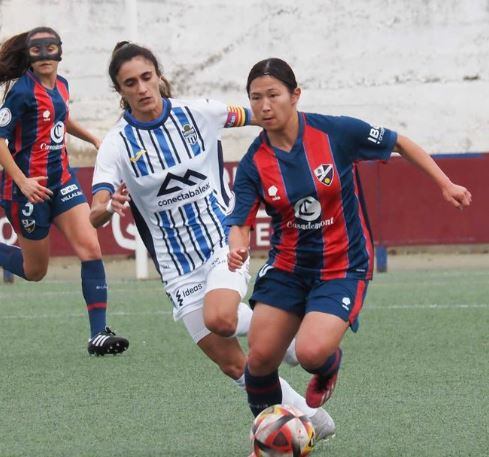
(38, 187)
(302, 167)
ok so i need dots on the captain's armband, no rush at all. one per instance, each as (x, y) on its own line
(238, 116)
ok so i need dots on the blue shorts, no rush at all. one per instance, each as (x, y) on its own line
(33, 221)
(300, 295)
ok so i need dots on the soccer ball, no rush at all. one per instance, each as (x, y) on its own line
(282, 430)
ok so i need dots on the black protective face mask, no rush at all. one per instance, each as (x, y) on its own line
(44, 49)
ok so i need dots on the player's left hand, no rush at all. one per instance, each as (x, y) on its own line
(236, 258)
(120, 200)
(457, 195)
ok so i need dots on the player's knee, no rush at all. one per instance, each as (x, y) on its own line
(259, 361)
(221, 325)
(311, 357)
(35, 273)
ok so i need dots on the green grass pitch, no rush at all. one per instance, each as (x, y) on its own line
(414, 381)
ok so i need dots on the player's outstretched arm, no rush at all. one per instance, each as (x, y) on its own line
(457, 195)
(75, 129)
(104, 205)
(239, 244)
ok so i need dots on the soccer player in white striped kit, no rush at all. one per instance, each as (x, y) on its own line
(164, 157)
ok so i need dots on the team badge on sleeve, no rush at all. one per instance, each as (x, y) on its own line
(325, 173)
(5, 117)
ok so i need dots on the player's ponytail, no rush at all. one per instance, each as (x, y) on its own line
(125, 51)
(14, 61)
(276, 68)
(165, 87)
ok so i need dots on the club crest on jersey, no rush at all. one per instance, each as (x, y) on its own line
(325, 173)
(189, 134)
(29, 225)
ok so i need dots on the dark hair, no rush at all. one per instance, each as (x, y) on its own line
(14, 60)
(49, 30)
(125, 51)
(275, 67)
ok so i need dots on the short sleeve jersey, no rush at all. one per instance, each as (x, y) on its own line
(32, 120)
(174, 171)
(313, 195)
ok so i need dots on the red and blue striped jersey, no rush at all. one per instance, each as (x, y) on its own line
(32, 120)
(313, 195)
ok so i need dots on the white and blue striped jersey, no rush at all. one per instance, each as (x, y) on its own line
(173, 168)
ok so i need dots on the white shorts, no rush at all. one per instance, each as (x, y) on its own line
(187, 292)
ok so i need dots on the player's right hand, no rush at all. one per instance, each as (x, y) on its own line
(34, 191)
(236, 258)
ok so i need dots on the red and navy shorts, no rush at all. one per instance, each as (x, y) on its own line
(299, 294)
(33, 221)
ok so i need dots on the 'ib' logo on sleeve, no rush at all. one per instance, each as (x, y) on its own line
(376, 134)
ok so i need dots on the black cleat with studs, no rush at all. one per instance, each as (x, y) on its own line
(107, 342)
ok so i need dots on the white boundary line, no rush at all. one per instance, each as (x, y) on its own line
(118, 290)
(83, 315)
(367, 308)
(429, 306)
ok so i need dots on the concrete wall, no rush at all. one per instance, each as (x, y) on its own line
(419, 66)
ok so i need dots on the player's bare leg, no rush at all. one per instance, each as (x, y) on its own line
(35, 254)
(267, 350)
(226, 353)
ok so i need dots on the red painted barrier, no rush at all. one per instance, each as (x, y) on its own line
(405, 207)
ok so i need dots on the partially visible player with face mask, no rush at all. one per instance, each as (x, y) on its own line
(38, 187)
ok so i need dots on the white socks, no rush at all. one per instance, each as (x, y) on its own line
(244, 319)
(240, 382)
(292, 398)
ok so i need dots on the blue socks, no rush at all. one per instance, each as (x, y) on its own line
(330, 367)
(94, 288)
(263, 391)
(11, 259)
